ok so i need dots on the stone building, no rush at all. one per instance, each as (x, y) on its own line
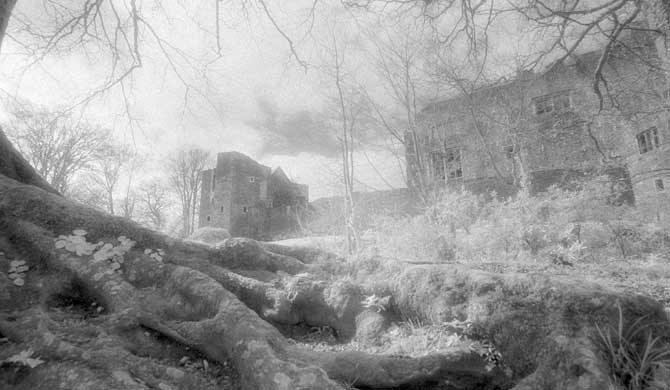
(249, 199)
(543, 128)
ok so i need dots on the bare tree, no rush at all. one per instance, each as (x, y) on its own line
(56, 144)
(108, 171)
(398, 57)
(348, 105)
(184, 170)
(199, 298)
(155, 202)
(565, 26)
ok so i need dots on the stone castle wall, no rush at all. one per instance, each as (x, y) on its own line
(241, 195)
(505, 139)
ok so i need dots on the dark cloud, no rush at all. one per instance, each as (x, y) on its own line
(294, 132)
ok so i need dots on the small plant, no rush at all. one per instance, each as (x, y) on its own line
(24, 358)
(156, 255)
(17, 272)
(76, 243)
(632, 352)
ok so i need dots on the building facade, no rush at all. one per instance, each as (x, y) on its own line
(549, 128)
(249, 199)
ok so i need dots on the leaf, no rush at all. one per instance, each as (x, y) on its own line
(77, 239)
(16, 263)
(79, 232)
(116, 266)
(19, 282)
(60, 244)
(13, 275)
(22, 268)
(147, 251)
(24, 358)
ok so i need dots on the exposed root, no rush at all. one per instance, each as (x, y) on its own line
(192, 297)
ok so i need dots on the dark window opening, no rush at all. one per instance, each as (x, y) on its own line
(208, 218)
(510, 151)
(447, 164)
(659, 185)
(648, 140)
(438, 165)
(213, 182)
(252, 179)
(221, 208)
(245, 209)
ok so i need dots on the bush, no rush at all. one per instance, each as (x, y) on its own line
(559, 225)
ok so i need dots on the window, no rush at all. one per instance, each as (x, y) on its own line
(559, 102)
(245, 209)
(447, 164)
(510, 151)
(453, 163)
(213, 182)
(221, 208)
(438, 165)
(659, 185)
(252, 179)
(269, 204)
(208, 218)
(648, 140)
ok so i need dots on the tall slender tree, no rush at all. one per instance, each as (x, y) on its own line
(184, 170)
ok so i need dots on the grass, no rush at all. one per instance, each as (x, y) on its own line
(632, 352)
(412, 338)
(569, 236)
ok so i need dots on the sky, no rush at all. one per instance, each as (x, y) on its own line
(256, 98)
(252, 95)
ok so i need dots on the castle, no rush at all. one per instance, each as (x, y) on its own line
(546, 128)
(249, 199)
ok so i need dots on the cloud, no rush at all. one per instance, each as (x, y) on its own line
(293, 132)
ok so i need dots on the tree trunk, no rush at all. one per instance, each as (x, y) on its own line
(192, 298)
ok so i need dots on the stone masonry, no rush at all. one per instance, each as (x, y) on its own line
(546, 128)
(249, 199)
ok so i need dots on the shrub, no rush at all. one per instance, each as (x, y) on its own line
(559, 225)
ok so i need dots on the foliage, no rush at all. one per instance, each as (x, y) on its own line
(24, 358)
(558, 225)
(633, 353)
(156, 255)
(76, 243)
(17, 271)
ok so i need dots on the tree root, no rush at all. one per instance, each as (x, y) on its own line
(195, 297)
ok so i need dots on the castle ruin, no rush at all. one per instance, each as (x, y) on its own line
(249, 199)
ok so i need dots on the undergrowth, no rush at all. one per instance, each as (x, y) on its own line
(558, 226)
(633, 353)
